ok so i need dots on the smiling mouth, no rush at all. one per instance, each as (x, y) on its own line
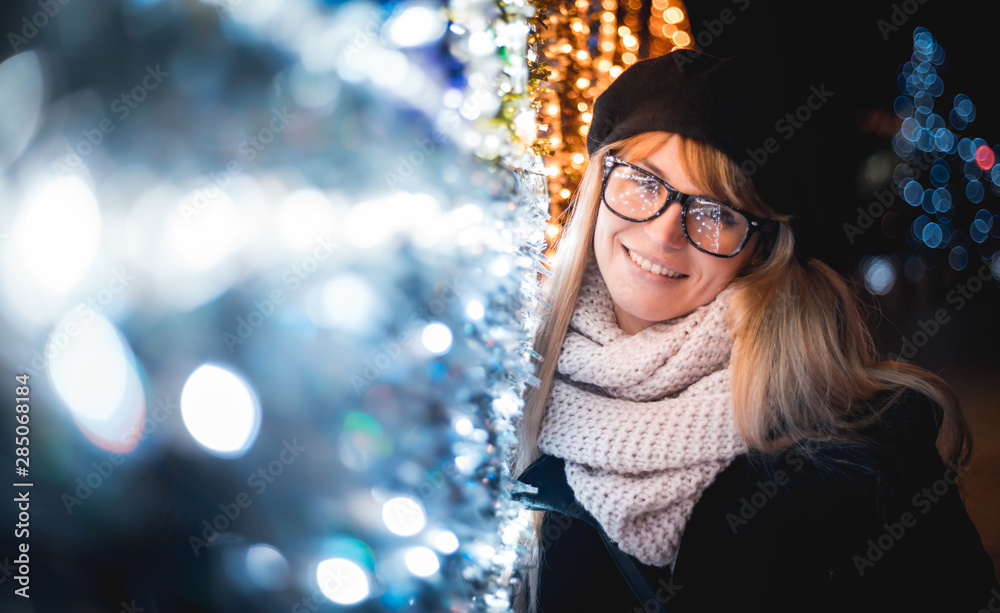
(648, 266)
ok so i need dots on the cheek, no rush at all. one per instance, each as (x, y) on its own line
(608, 225)
(726, 271)
(604, 233)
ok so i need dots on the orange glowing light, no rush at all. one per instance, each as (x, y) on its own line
(673, 15)
(631, 35)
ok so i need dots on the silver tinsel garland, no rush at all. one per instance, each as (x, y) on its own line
(270, 278)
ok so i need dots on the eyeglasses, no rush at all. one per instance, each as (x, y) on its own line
(715, 228)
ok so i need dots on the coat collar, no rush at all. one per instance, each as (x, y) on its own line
(549, 490)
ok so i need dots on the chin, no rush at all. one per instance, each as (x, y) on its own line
(645, 311)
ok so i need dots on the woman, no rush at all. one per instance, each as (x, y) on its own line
(713, 429)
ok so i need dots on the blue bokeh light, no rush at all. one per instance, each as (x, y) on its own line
(932, 234)
(957, 121)
(958, 258)
(944, 140)
(941, 199)
(913, 192)
(964, 107)
(966, 149)
(917, 228)
(974, 191)
(940, 173)
(903, 107)
(927, 201)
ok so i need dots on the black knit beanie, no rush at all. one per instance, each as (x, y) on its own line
(736, 105)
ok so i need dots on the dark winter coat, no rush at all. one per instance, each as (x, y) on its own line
(877, 528)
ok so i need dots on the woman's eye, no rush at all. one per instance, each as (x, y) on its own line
(641, 179)
(719, 214)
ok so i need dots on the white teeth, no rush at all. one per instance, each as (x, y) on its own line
(653, 268)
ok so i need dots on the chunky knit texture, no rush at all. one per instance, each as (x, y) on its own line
(644, 422)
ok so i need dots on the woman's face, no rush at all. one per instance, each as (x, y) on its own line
(642, 298)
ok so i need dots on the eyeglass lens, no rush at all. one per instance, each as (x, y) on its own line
(710, 226)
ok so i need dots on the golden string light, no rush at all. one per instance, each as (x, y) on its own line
(583, 46)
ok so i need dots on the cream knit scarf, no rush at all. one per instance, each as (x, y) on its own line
(644, 422)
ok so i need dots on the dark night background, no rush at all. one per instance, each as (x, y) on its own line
(841, 44)
(838, 44)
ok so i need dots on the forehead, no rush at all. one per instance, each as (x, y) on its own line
(666, 162)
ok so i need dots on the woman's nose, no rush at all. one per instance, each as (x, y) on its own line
(666, 230)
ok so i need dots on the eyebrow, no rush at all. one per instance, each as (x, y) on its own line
(658, 172)
(650, 167)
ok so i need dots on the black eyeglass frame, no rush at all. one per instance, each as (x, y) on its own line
(755, 224)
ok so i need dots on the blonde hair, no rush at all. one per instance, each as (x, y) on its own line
(803, 358)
